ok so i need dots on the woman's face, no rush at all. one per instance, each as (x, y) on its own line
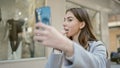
(71, 25)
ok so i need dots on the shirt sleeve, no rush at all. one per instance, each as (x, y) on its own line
(96, 58)
(55, 59)
(69, 58)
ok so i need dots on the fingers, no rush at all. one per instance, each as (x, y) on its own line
(41, 25)
(40, 35)
(40, 32)
(41, 29)
(39, 38)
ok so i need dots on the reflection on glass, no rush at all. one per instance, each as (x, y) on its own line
(12, 11)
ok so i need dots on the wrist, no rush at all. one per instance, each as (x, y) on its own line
(71, 58)
(68, 49)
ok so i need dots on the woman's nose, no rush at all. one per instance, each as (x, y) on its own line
(65, 24)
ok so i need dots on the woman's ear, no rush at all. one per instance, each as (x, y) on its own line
(82, 25)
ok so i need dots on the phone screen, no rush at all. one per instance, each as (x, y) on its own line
(43, 14)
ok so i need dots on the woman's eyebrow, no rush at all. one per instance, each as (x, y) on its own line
(69, 17)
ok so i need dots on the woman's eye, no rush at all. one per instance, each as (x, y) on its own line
(69, 20)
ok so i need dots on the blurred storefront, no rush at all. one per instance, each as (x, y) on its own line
(114, 31)
(114, 25)
(98, 10)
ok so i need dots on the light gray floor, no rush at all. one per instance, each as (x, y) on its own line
(114, 65)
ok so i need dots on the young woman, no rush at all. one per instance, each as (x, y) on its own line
(79, 47)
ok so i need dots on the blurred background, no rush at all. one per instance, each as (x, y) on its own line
(18, 15)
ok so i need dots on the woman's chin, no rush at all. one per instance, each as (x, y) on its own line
(68, 36)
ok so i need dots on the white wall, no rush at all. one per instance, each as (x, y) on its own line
(100, 5)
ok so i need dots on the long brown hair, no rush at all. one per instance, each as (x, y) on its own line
(86, 32)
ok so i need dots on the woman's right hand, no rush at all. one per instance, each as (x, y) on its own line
(50, 37)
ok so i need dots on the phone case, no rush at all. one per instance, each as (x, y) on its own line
(43, 14)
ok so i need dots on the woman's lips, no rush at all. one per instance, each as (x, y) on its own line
(66, 30)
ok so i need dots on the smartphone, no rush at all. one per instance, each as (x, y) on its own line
(43, 15)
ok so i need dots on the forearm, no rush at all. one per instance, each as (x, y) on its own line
(68, 48)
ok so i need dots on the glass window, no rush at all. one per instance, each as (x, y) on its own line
(25, 9)
(118, 41)
(21, 14)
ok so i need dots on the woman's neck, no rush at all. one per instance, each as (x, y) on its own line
(75, 38)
